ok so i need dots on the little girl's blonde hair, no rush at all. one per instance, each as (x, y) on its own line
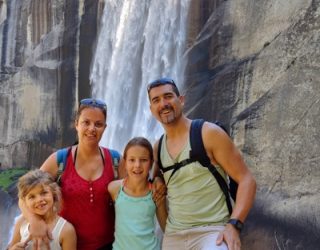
(36, 178)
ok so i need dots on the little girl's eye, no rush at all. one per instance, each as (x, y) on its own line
(44, 192)
(30, 197)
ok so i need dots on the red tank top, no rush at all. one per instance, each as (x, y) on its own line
(88, 205)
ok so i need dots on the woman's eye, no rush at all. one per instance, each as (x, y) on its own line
(85, 123)
(99, 125)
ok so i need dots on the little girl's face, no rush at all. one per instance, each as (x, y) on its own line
(138, 162)
(40, 200)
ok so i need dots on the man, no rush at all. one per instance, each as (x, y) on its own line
(198, 216)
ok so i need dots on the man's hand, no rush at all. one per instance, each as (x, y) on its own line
(231, 237)
(159, 191)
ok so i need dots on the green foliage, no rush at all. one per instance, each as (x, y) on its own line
(10, 176)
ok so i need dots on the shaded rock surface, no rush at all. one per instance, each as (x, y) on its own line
(255, 66)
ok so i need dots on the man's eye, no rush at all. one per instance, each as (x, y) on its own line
(155, 101)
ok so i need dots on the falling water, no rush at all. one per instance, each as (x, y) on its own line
(139, 41)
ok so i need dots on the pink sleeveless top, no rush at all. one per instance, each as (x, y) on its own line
(88, 205)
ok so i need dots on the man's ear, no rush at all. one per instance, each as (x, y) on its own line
(182, 99)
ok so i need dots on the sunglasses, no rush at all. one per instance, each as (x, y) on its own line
(94, 103)
(163, 81)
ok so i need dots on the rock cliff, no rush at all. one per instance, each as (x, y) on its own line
(46, 50)
(255, 66)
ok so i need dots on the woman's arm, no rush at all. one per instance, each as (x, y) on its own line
(113, 189)
(68, 237)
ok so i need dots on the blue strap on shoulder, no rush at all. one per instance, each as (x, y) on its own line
(115, 156)
(62, 155)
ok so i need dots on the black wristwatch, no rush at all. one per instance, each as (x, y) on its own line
(238, 224)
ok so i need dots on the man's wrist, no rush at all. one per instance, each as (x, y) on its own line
(236, 223)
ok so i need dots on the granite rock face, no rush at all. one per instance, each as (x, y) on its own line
(255, 66)
(44, 70)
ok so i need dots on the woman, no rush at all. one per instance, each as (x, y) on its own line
(86, 202)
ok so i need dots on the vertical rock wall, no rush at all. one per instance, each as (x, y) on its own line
(45, 50)
(255, 66)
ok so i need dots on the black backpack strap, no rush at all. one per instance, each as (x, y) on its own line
(173, 167)
(198, 152)
(159, 153)
(177, 166)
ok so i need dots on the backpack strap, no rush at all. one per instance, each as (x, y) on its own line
(115, 157)
(198, 152)
(62, 155)
(158, 155)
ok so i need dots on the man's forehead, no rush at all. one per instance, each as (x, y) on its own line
(160, 90)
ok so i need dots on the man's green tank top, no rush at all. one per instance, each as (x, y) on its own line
(195, 198)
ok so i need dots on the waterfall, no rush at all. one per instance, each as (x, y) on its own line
(139, 41)
(8, 211)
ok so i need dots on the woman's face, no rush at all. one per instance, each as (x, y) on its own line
(90, 125)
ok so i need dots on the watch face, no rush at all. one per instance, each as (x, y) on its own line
(236, 223)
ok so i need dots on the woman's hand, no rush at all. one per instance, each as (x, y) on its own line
(39, 234)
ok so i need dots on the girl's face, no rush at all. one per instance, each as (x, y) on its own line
(40, 200)
(90, 125)
(138, 162)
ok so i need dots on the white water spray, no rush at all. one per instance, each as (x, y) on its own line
(139, 41)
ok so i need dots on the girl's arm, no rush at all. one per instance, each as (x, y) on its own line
(68, 237)
(15, 243)
(162, 212)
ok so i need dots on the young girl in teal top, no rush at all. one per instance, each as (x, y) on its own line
(134, 206)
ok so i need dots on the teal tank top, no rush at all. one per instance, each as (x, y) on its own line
(135, 222)
(194, 196)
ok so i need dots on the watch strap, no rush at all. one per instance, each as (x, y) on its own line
(238, 224)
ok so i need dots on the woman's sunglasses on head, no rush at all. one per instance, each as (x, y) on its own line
(93, 103)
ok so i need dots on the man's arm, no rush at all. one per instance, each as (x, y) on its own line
(222, 151)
